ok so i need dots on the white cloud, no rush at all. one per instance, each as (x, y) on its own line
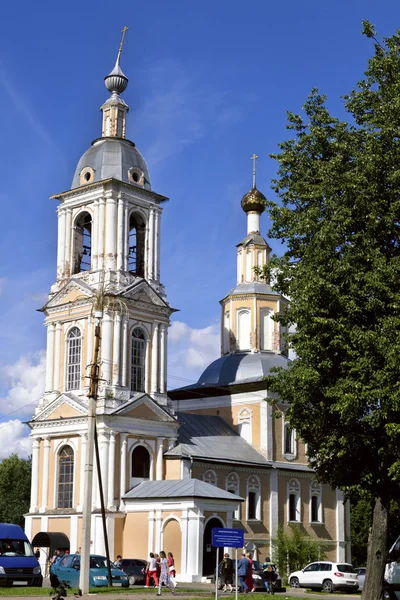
(14, 439)
(24, 384)
(190, 352)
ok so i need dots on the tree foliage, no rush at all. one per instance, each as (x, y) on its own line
(293, 549)
(339, 188)
(15, 489)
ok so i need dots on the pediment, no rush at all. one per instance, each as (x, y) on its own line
(144, 408)
(63, 407)
(143, 292)
(72, 291)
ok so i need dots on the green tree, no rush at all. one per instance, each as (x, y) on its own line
(339, 190)
(15, 489)
(294, 548)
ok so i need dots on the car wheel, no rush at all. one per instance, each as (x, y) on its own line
(388, 595)
(327, 586)
(294, 582)
(132, 580)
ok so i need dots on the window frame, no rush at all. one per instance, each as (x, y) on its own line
(316, 493)
(71, 483)
(287, 430)
(294, 490)
(75, 379)
(232, 485)
(141, 367)
(253, 486)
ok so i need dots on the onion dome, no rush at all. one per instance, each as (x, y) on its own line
(116, 81)
(254, 201)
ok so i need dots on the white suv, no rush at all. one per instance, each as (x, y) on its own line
(325, 575)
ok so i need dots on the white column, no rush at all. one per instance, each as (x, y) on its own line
(162, 358)
(100, 235)
(116, 349)
(61, 244)
(158, 521)
(147, 375)
(50, 357)
(68, 235)
(122, 479)
(57, 358)
(111, 233)
(126, 238)
(159, 464)
(73, 540)
(103, 451)
(111, 471)
(157, 238)
(82, 472)
(125, 346)
(273, 506)
(150, 244)
(120, 235)
(35, 475)
(89, 348)
(45, 474)
(340, 531)
(95, 235)
(154, 360)
(106, 347)
(150, 539)
(184, 545)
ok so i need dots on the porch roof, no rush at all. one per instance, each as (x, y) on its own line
(182, 488)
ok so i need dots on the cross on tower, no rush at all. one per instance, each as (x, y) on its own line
(123, 31)
(254, 158)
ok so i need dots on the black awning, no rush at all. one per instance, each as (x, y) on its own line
(50, 539)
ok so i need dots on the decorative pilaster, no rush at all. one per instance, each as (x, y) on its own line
(100, 235)
(68, 236)
(116, 349)
(126, 237)
(122, 482)
(150, 265)
(124, 374)
(45, 474)
(111, 469)
(61, 244)
(35, 475)
(147, 374)
(103, 451)
(95, 235)
(57, 358)
(50, 357)
(154, 360)
(160, 454)
(162, 358)
(106, 347)
(157, 246)
(120, 235)
(82, 472)
(111, 237)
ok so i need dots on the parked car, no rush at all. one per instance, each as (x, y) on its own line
(135, 568)
(326, 576)
(258, 578)
(361, 577)
(67, 571)
(18, 563)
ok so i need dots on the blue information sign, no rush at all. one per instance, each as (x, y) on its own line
(227, 538)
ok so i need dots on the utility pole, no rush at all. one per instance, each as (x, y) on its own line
(88, 483)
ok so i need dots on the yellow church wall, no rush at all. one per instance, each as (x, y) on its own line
(142, 412)
(173, 541)
(61, 524)
(172, 469)
(135, 537)
(119, 525)
(65, 411)
(36, 527)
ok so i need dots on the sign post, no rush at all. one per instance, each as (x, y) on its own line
(223, 537)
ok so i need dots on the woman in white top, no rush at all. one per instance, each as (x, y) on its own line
(164, 575)
(151, 571)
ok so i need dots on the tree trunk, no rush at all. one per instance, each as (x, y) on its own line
(377, 553)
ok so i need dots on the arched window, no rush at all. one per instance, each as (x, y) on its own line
(137, 234)
(74, 350)
(243, 329)
(294, 502)
(315, 503)
(138, 360)
(245, 426)
(253, 498)
(82, 242)
(210, 477)
(267, 328)
(289, 441)
(65, 487)
(140, 463)
(233, 486)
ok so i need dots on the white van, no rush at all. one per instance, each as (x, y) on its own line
(392, 573)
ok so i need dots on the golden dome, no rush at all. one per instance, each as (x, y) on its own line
(254, 200)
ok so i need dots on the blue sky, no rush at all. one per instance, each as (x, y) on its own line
(209, 84)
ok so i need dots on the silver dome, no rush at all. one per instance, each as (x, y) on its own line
(240, 368)
(255, 287)
(112, 157)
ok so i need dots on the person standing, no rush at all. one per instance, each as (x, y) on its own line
(164, 574)
(151, 571)
(226, 573)
(118, 562)
(249, 577)
(269, 574)
(243, 569)
(171, 566)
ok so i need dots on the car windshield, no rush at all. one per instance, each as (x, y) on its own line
(345, 569)
(99, 562)
(257, 564)
(10, 547)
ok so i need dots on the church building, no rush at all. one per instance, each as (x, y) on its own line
(174, 464)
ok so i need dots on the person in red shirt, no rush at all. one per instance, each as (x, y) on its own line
(171, 566)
